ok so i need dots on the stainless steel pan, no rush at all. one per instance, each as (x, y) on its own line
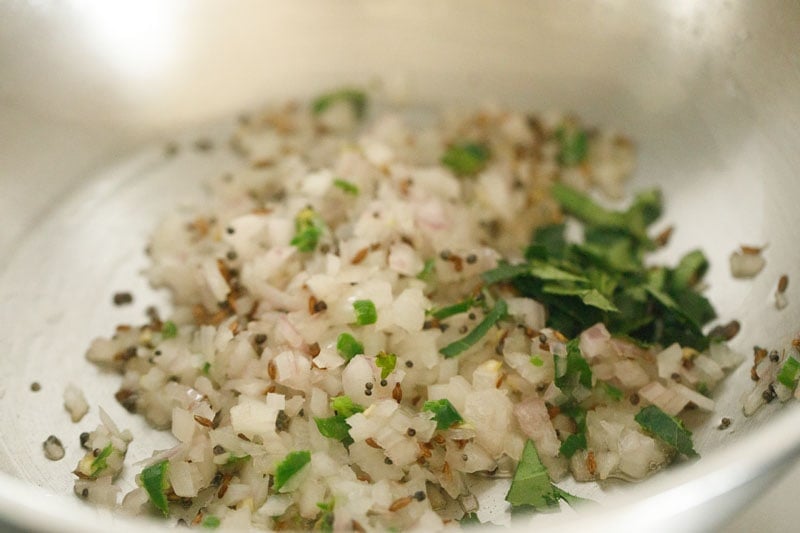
(90, 92)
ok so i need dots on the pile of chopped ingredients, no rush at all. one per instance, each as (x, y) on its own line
(368, 318)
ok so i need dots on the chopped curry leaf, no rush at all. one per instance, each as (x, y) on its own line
(531, 484)
(450, 310)
(466, 159)
(386, 362)
(235, 461)
(155, 483)
(577, 368)
(690, 270)
(443, 412)
(308, 228)
(346, 186)
(605, 279)
(211, 522)
(505, 272)
(613, 392)
(291, 465)
(343, 405)
(667, 429)
(552, 240)
(573, 145)
(348, 347)
(365, 312)
(572, 444)
(356, 98)
(100, 462)
(790, 372)
(497, 313)
(169, 330)
(426, 274)
(335, 427)
(585, 209)
(325, 521)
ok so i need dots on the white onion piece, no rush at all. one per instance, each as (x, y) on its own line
(746, 265)
(594, 341)
(726, 358)
(767, 371)
(534, 421)
(710, 368)
(665, 399)
(702, 402)
(183, 424)
(529, 311)
(181, 479)
(75, 403)
(630, 374)
(403, 259)
(669, 361)
(216, 283)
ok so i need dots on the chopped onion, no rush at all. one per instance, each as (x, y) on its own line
(75, 403)
(665, 399)
(746, 265)
(594, 341)
(669, 361)
(702, 402)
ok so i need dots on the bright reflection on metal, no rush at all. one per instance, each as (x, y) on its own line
(136, 38)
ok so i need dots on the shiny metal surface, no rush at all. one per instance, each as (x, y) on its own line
(90, 92)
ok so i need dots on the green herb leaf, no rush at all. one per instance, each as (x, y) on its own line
(346, 186)
(573, 145)
(590, 297)
(100, 462)
(585, 209)
(572, 444)
(356, 98)
(291, 465)
(576, 413)
(466, 159)
(211, 522)
(234, 462)
(206, 368)
(690, 270)
(450, 310)
(348, 347)
(365, 312)
(505, 272)
(386, 362)
(531, 484)
(497, 313)
(335, 427)
(308, 228)
(325, 521)
(155, 483)
(613, 392)
(577, 368)
(551, 239)
(536, 361)
(470, 520)
(667, 429)
(443, 412)
(169, 330)
(790, 372)
(343, 405)
(645, 209)
(548, 272)
(427, 272)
